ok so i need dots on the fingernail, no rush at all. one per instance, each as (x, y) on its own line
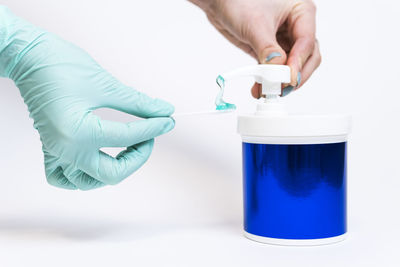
(287, 90)
(169, 125)
(172, 118)
(272, 55)
(298, 79)
(170, 109)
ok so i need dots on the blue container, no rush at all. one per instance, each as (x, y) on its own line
(294, 179)
(294, 191)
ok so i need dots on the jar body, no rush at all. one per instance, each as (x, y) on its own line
(295, 193)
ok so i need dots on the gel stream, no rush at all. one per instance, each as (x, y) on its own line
(219, 102)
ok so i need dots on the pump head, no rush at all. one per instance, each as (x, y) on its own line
(269, 76)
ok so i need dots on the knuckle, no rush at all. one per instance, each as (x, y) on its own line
(50, 180)
(56, 179)
(310, 41)
(113, 181)
(112, 177)
(312, 6)
(318, 55)
(85, 187)
(255, 19)
(319, 60)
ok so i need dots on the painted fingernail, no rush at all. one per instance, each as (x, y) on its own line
(298, 79)
(287, 90)
(272, 56)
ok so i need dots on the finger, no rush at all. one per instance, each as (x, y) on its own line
(80, 179)
(311, 65)
(256, 90)
(298, 56)
(128, 100)
(56, 178)
(302, 25)
(112, 171)
(116, 134)
(243, 46)
(263, 41)
(54, 173)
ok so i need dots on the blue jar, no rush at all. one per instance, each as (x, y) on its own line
(294, 178)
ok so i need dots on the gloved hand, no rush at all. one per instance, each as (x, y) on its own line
(62, 85)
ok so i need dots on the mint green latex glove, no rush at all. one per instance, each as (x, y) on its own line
(62, 85)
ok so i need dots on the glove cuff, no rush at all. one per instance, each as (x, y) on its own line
(16, 37)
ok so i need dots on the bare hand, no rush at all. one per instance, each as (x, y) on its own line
(272, 31)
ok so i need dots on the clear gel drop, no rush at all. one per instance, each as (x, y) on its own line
(219, 102)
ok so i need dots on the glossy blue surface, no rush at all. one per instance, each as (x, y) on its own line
(294, 191)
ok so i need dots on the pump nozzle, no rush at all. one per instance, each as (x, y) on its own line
(270, 76)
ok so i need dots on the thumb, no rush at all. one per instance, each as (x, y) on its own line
(268, 51)
(264, 43)
(116, 134)
(126, 99)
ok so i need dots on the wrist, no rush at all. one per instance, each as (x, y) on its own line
(16, 35)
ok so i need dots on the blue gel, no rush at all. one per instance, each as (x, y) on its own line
(226, 106)
(219, 102)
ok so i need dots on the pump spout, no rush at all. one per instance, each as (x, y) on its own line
(270, 76)
(243, 72)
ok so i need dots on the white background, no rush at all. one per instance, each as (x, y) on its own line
(184, 207)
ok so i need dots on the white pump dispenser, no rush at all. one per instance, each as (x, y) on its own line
(282, 155)
(270, 77)
(271, 123)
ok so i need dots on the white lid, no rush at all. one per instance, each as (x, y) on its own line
(294, 125)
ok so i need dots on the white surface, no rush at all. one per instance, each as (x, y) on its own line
(184, 207)
(296, 242)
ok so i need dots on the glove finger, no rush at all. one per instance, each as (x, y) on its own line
(54, 173)
(111, 171)
(80, 179)
(131, 101)
(56, 178)
(116, 134)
